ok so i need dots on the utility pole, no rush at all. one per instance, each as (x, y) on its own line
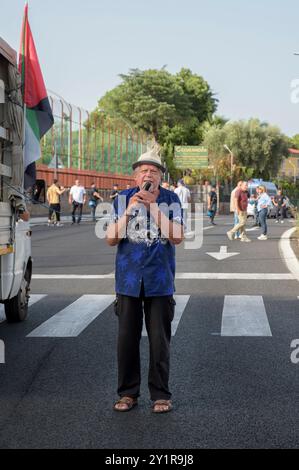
(231, 165)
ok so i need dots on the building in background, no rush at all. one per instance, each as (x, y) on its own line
(290, 166)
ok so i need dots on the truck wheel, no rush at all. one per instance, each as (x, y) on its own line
(16, 308)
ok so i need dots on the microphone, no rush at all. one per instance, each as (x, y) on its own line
(147, 186)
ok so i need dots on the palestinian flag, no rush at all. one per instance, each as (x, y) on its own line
(38, 116)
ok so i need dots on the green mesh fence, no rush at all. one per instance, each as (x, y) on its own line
(100, 147)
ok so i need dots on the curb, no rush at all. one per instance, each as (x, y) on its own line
(288, 254)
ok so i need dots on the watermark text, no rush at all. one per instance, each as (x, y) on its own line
(295, 352)
(2, 92)
(295, 91)
(142, 224)
(2, 352)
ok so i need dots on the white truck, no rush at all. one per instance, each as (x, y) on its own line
(15, 233)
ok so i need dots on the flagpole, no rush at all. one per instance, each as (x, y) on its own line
(55, 162)
(23, 143)
(35, 100)
(23, 93)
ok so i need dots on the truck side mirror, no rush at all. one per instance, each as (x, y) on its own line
(39, 192)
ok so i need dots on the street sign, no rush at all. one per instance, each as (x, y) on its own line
(190, 157)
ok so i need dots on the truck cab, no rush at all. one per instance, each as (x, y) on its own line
(15, 233)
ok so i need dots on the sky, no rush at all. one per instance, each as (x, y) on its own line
(244, 49)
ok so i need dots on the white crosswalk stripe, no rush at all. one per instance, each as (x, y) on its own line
(244, 315)
(32, 300)
(181, 303)
(73, 319)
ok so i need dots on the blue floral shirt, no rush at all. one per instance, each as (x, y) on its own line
(144, 255)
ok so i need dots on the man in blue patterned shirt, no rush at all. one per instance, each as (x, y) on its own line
(147, 224)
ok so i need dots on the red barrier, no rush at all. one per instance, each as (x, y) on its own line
(67, 177)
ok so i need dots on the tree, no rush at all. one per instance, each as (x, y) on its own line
(294, 141)
(258, 148)
(172, 108)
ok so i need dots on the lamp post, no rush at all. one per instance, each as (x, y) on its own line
(231, 165)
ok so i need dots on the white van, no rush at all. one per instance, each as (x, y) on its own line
(271, 191)
(270, 187)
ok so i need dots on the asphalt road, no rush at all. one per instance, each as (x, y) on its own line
(233, 382)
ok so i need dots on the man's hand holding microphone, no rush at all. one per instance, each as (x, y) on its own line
(146, 196)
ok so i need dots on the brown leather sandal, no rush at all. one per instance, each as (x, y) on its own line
(128, 401)
(165, 403)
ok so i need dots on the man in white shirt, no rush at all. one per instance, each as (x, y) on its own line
(77, 198)
(184, 197)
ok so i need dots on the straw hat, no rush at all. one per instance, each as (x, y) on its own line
(149, 158)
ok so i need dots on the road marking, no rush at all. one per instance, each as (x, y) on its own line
(73, 319)
(179, 276)
(238, 276)
(191, 234)
(181, 303)
(244, 315)
(73, 276)
(287, 253)
(33, 299)
(223, 254)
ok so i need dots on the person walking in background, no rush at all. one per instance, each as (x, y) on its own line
(212, 204)
(233, 206)
(77, 199)
(257, 220)
(263, 204)
(184, 196)
(114, 192)
(241, 203)
(94, 198)
(280, 203)
(53, 197)
(251, 210)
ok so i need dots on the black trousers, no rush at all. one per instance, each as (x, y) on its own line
(77, 205)
(93, 213)
(159, 313)
(54, 208)
(213, 212)
(280, 212)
